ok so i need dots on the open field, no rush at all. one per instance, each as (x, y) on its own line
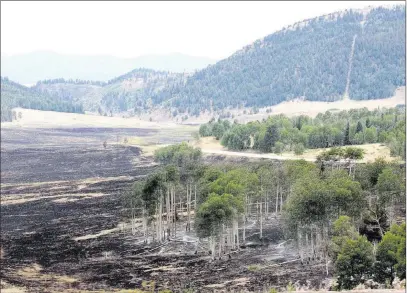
(298, 107)
(210, 145)
(42, 119)
(162, 118)
(35, 150)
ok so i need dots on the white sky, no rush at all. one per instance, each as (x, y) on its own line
(129, 29)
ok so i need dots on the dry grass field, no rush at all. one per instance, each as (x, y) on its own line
(210, 145)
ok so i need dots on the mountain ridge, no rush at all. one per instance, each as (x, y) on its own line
(28, 68)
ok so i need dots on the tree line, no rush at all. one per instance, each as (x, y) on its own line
(330, 129)
(16, 95)
(345, 216)
(70, 81)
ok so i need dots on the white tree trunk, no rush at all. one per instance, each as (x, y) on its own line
(312, 243)
(281, 199)
(299, 242)
(220, 244)
(306, 244)
(133, 230)
(160, 219)
(237, 234)
(168, 212)
(212, 245)
(195, 200)
(244, 228)
(157, 233)
(229, 238)
(267, 205)
(175, 215)
(189, 196)
(261, 221)
(145, 222)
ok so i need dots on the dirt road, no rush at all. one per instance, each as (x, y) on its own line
(254, 155)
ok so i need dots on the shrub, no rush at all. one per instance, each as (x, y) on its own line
(253, 268)
(354, 262)
(299, 149)
(278, 147)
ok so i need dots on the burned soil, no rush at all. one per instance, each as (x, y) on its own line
(65, 225)
(46, 231)
(43, 155)
(69, 229)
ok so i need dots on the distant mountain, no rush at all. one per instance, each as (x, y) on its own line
(16, 95)
(356, 54)
(29, 68)
(131, 91)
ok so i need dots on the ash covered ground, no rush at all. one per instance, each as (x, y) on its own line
(65, 225)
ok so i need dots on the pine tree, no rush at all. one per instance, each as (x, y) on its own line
(271, 137)
(368, 123)
(299, 124)
(346, 140)
(359, 127)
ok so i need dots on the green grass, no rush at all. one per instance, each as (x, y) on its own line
(253, 268)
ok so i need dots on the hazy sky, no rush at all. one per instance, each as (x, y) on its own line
(129, 29)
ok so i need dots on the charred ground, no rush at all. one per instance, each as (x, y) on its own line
(64, 224)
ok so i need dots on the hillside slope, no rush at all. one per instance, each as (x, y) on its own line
(129, 92)
(17, 95)
(355, 54)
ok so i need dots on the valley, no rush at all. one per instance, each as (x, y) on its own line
(279, 168)
(65, 225)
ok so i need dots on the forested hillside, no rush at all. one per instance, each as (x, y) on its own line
(378, 65)
(17, 95)
(349, 53)
(130, 91)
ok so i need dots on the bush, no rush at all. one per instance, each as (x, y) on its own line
(299, 149)
(278, 147)
(354, 262)
(253, 268)
(196, 136)
(205, 130)
(218, 130)
(290, 287)
(390, 256)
